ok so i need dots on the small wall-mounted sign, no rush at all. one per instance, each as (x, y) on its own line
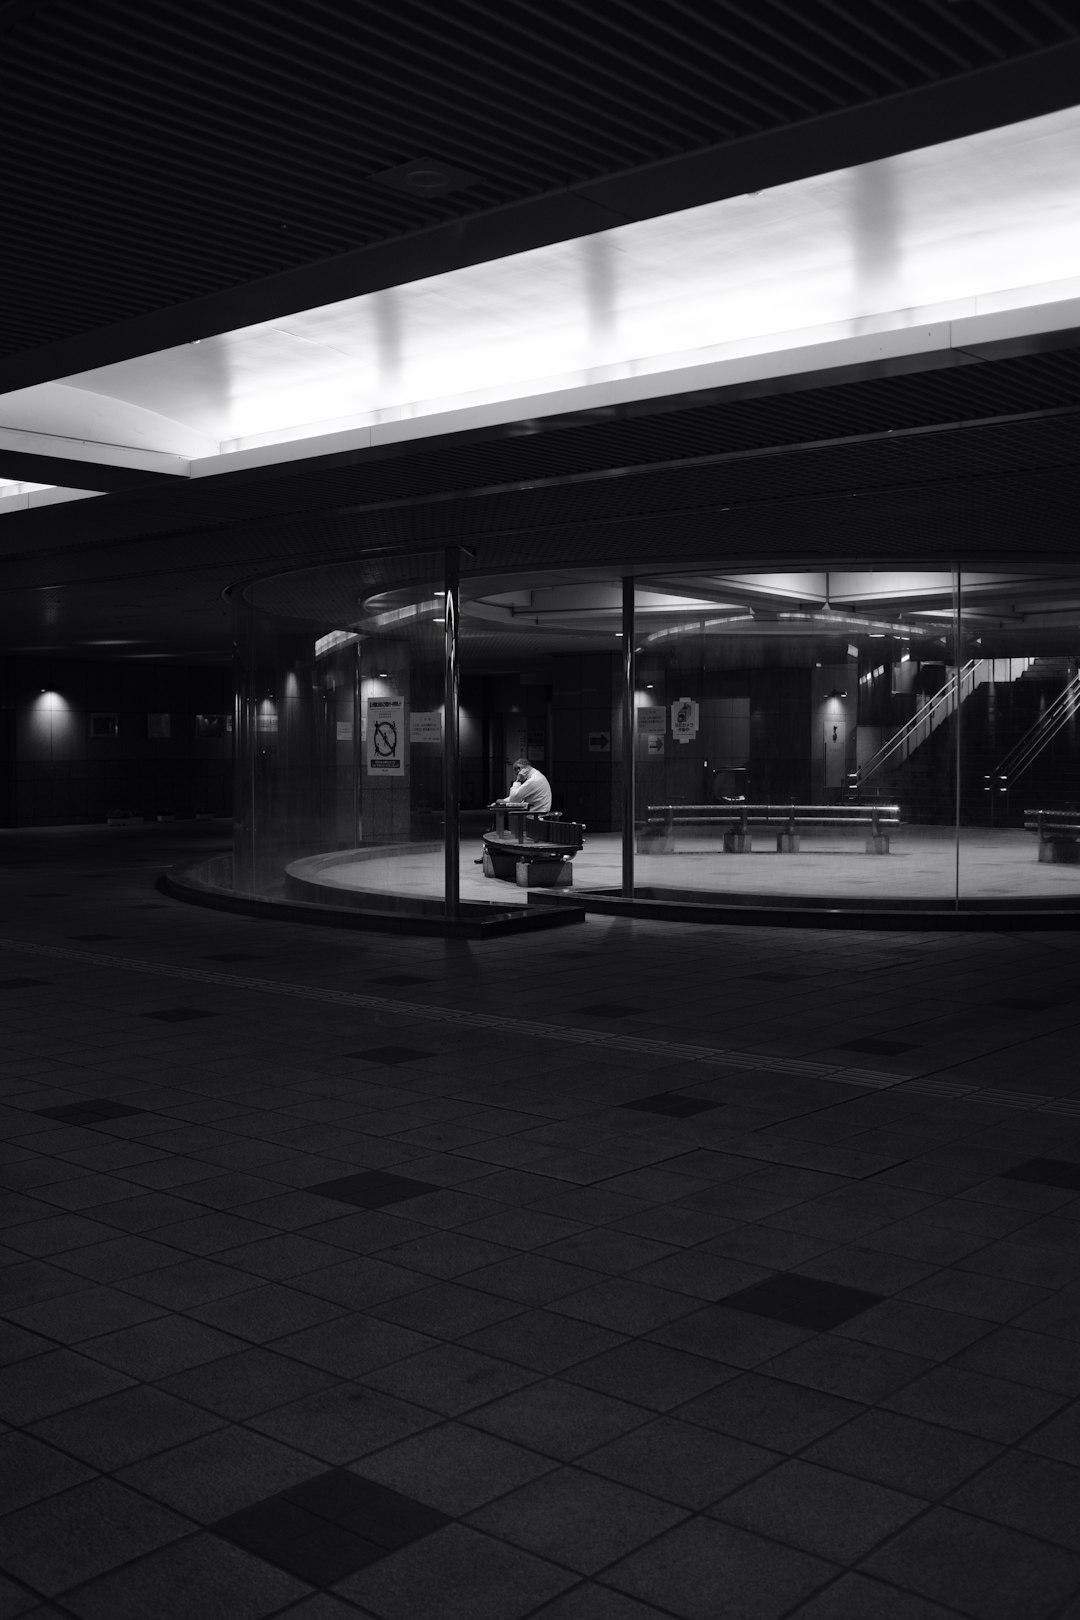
(684, 719)
(210, 725)
(425, 726)
(105, 724)
(652, 720)
(158, 725)
(344, 731)
(599, 742)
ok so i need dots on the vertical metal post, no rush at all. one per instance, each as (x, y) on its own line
(958, 662)
(451, 748)
(628, 739)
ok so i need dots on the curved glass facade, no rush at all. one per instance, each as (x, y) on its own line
(846, 738)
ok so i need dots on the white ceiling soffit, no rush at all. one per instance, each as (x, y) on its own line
(970, 242)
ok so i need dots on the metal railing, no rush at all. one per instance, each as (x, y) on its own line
(926, 719)
(1054, 719)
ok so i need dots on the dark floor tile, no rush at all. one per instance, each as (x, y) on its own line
(802, 1301)
(448, 1379)
(88, 1113)
(651, 1375)
(353, 1346)
(819, 1510)
(577, 1519)
(260, 1314)
(1024, 1003)
(542, 1340)
(737, 1338)
(24, 984)
(878, 1045)
(684, 1570)
(232, 956)
(681, 1462)
(219, 1473)
(42, 1385)
(921, 1459)
(390, 1054)
(124, 1428)
(607, 1009)
(557, 1419)
(457, 1574)
(179, 1015)
(993, 1408)
(1046, 1173)
(769, 1412)
(455, 1467)
(241, 1386)
(87, 938)
(167, 1344)
(372, 1189)
(1060, 1438)
(858, 1597)
(329, 1526)
(1027, 1493)
(344, 1422)
(674, 1104)
(860, 1372)
(82, 1533)
(400, 978)
(31, 1470)
(979, 1568)
(203, 1576)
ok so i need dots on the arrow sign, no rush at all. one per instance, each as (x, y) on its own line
(599, 742)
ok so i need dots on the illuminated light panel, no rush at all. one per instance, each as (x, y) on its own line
(945, 246)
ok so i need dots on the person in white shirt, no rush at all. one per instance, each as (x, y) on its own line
(530, 790)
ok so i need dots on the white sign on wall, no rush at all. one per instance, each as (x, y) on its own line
(652, 720)
(344, 731)
(425, 725)
(684, 719)
(384, 745)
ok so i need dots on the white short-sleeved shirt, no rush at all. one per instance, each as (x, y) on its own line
(533, 794)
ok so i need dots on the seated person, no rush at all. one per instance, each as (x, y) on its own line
(530, 790)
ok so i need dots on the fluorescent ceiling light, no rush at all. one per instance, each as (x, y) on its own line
(895, 256)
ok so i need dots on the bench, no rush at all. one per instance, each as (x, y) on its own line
(657, 835)
(533, 851)
(1059, 834)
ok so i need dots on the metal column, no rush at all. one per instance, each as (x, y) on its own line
(451, 748)
(628, 717)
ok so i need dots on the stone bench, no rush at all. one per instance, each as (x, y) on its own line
(657, 834)
(533, 851)
(1059, 834)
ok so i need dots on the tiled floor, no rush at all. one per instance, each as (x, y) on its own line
(994, 863)
(617, 1272)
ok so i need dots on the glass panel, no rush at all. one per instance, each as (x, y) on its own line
(339, 731)
(794, 737)
(1020, 739)
(540, 682)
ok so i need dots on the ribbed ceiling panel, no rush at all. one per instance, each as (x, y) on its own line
(154, 153)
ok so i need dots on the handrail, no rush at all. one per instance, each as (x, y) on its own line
(1039, 736)
(925, 715)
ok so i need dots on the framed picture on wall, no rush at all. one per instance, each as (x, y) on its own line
(105, 724)
(158, 725)
(210, 725)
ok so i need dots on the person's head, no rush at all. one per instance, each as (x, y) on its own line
(523, 768)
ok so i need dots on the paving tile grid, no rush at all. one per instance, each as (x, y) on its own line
(629, 1270)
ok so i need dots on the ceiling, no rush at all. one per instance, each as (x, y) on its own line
(173, 173)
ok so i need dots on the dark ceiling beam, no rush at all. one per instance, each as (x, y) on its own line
(67, 473)
(1045, 81)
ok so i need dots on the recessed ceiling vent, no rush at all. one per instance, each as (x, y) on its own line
(425, 177)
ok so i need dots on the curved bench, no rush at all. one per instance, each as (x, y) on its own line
(533, 851)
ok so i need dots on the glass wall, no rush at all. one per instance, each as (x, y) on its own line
(339, 723)
(858, 738)
(840, 737)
